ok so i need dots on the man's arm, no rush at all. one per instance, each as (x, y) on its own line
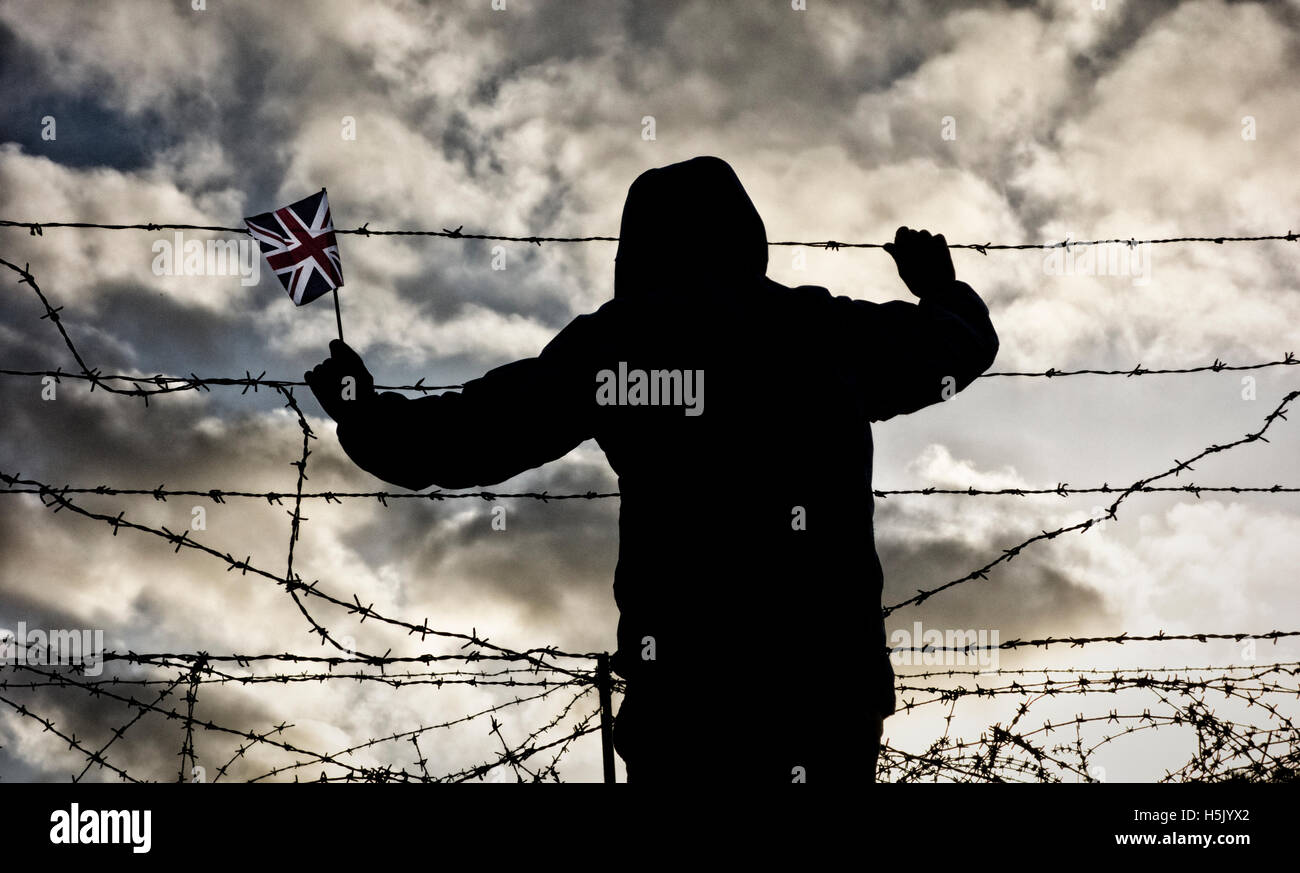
(516, 417)
(911, 355)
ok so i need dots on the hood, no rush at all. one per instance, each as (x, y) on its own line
(688, 226)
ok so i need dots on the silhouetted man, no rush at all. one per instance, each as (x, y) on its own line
(736, 413)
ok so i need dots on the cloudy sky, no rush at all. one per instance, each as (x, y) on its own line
(1000, 122)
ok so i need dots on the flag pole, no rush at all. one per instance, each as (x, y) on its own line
(338, 316)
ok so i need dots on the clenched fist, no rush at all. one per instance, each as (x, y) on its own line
(341, 382)
(924, 262)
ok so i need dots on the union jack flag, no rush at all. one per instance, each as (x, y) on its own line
(299, 245)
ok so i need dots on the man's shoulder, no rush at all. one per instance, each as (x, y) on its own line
(589, 332)
(810, 293)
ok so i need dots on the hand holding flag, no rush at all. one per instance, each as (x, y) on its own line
(341, 382)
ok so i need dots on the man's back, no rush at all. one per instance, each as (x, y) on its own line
(715, 504)
(746, 569)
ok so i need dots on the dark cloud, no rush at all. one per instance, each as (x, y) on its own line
(572, 544)
(1029, 597)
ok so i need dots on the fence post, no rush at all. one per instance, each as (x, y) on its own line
(604, 683)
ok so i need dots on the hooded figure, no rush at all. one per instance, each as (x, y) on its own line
(688, 226)
(736, 413)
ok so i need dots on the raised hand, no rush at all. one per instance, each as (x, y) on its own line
(924, 262)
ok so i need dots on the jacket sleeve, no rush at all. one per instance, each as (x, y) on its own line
(907, 356)
(516, 417)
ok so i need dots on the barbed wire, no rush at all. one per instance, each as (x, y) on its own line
(1225, 749)
(169, 686)
(1064, 490)
(275, 738)
(1044, 642)
(181, 664)
(172, 384)
(191, 698)
(219, 495)
(395, 680)
(1229, 682)
(91, 756)
(164, 384)
(71, 681)
(37, 228)
(293, 584)
(953, 673)
(1218, 366)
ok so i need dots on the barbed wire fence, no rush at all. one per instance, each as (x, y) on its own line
(166, 686)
